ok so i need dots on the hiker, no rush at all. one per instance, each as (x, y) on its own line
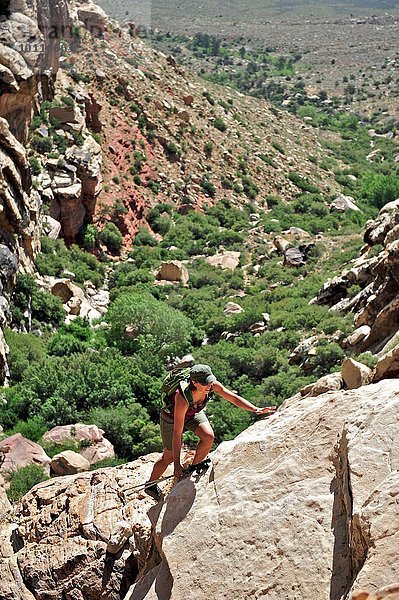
(183, 410)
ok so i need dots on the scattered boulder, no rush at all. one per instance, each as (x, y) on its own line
(18, 452)
(51, 227)
(97, 447)
(328, 383)
(188, 100)
(228, 259)
(94, 18)
(281, 244)
(187, 361)
(67, 115)
(355, 374)
(387, 219)
(359, 335)
(343, 203)
(260, 326)
(69, 463)
(387, 366)
(296, 257)
(172, 270)
(232, 308)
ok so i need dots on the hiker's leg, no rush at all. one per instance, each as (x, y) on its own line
(206, 436)
(162, 464)
(167, 456)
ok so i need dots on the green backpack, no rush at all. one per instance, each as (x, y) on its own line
(172, 382)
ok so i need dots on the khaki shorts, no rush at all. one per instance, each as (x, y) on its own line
(167, 424)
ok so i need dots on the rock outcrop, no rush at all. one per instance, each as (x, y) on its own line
(375, 305)
(29, 58)
(302, 504)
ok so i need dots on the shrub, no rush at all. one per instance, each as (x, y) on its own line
(128, 428)
(379, 189)
(164, 328)
(90, 236)
(220, 124)
(111, 237)
(23, 479)
(208, 187)
(32, 429)
(35, 165)
(302, 183)
(42, 144)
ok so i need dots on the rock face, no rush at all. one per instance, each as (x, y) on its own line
(84, 536)
(302, 504)
(313, 513)
(228, 259)
(18, 452)
(29, 57)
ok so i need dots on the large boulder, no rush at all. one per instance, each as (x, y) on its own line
(94, 18)
(343, 203)
(69, 462)
(96, 448)
(18, 451)
(228, 259)
(174, 271)
(328, 383)
(355, 374)
(84, 536)
(387, 366)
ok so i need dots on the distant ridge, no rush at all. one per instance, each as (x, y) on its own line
(168, 14)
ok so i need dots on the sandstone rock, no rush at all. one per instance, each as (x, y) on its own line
(296, 257)
(98, 448)
(51, 227)
(228, 259)
(5, 505)
(281, 244)
(69, 463)
(359, 335)
(388, 593)
(299, 506)
(19, 452)
(172, 270)
(232, 308)
(355, 374)
(94, 18)
(67, 524)
(343, 203)
(387, 366)
(377, 230)
(328, 383)
(67, 114)
(187, 361)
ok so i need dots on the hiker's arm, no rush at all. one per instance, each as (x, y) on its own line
(239, 401)
(179, 414)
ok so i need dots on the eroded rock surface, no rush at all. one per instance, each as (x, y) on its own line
(302, 505)
(84, 536)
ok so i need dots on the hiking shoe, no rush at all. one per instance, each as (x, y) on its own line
(154, 491)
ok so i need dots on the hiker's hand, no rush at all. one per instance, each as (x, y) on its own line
(267, 410)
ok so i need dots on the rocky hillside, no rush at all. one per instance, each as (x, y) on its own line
(301, 505)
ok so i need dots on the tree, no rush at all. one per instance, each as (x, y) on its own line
(152, 323)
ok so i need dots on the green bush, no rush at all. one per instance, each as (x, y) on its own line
(52, 448)
(220, 124)
(32, 429)
(42, 144)
(23, 479)
(111, 237)
(44, 307)
(166, 329)
(379, 189)
(128, 428)
(35, 165)
(25, 349)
